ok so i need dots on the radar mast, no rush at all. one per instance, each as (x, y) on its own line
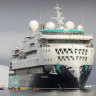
(59, 18)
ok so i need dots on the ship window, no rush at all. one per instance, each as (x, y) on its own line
(85, 58)
(68, 41)
(64, 59)
(56, 50)
(62, 41)
(60, 50)
(79, 51)
(65, 50)
(86, 51)
(40, 45)
(72, 58)
(59, 58)
(75, 51)
(32, 52)
(32, 45)
(70, 50)
(67, 58)
(83, 51)
(30, 62)
(77, 57)
(80, 58)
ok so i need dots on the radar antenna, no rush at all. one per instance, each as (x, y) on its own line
(59, 18)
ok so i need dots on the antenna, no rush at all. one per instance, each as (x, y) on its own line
(82, 14)
(19, 44)
(59, 18)
(41, 11)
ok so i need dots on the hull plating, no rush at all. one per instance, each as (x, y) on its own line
(63, 78)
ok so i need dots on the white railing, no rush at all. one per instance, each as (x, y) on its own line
(78, 37)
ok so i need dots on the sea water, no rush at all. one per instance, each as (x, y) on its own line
(88, 91)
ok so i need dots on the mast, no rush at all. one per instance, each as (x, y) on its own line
(59, 18)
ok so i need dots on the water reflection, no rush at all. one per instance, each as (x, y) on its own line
(85, 92)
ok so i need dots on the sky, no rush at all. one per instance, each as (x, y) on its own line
(15, 16)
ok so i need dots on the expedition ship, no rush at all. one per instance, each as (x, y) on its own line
(58, 56)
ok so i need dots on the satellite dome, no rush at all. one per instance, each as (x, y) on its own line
(33, 25)
(79, 27)
(69, 25)
(50, 25)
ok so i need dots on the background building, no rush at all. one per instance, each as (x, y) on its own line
(4, 73)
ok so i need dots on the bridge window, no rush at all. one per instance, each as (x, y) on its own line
(68, 41)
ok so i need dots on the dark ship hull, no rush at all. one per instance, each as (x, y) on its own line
(63, 78)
